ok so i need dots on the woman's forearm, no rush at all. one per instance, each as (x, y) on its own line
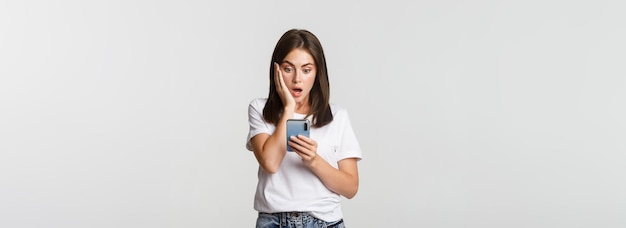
(272, 148)
(344, 181)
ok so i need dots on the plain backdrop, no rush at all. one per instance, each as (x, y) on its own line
(469, 113)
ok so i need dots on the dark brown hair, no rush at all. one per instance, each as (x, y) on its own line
(320, 93)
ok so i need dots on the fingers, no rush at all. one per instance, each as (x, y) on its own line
(281, 86)
(307, 140)
(306, 155)
(296, 145)
(278, 78)
(305, 147)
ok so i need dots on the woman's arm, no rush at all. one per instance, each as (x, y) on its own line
(270, 150)
(344, 180)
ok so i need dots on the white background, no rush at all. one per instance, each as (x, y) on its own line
(469, 113)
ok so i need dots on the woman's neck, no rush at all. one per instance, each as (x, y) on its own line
(302, 108)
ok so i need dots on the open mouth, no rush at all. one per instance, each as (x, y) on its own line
(296, 92)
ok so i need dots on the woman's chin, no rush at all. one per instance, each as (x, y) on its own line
(300, 100)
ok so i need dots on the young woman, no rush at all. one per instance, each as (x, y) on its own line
(301, 188)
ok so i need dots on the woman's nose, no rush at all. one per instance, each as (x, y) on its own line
(296, 76)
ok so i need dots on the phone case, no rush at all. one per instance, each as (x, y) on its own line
(297, 127)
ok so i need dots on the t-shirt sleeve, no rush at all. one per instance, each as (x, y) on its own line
(256, 122)
(349, 146)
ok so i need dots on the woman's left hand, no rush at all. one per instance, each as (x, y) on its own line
(305, 147)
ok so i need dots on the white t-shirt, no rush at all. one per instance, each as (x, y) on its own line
(294, 187)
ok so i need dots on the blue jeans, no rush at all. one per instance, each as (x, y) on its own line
(294, 220)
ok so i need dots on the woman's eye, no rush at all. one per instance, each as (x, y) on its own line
(306, 71)
(288, 70)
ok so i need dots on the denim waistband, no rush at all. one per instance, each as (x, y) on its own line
(290, 219)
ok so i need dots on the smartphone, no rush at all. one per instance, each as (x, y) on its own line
(297, 127)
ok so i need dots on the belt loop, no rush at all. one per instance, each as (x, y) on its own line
(283, 220)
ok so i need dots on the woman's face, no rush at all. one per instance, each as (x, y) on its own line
(299, 70)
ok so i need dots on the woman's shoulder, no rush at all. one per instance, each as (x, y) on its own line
(258, 102)
(337, 110)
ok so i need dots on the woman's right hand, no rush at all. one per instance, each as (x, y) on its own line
(281, 88)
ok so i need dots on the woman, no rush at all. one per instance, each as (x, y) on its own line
(301, 188)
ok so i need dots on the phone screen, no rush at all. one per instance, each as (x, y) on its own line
(297, 127)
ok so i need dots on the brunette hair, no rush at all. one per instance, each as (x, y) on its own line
(320, 93)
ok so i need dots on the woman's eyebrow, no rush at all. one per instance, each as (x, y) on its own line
(285, 61)
(306, 64)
